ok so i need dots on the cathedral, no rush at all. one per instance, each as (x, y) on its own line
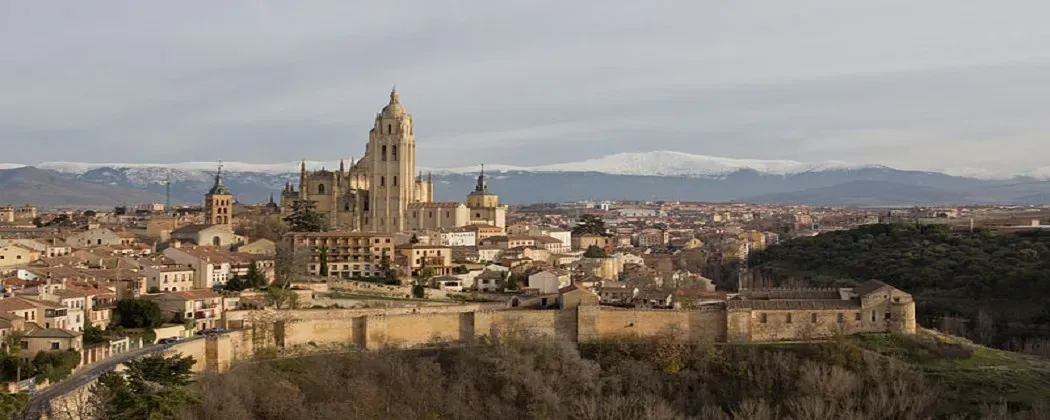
(381, 192)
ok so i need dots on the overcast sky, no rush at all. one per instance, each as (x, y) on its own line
(928, 84)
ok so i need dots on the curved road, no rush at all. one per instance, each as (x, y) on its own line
(40, 400)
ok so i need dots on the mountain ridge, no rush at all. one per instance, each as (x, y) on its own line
(835, 183)
(652, 163)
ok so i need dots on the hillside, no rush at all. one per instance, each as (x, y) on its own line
(999, 280)
(880, 376)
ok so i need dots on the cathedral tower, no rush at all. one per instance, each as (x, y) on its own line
(391, 156)
(218, 203)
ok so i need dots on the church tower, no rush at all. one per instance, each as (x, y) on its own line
(484, 206)
(391, 155)
(218, 203)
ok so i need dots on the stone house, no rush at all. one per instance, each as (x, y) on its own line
(220, 235)
(653, 300)
(16, 256)
(549, 281)
(204, 307)
(94, 237)
(573, 296)
(51, 339)
(437, 258)
(798, 314)
(617, 294)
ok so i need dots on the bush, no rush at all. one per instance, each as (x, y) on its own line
(418, 291)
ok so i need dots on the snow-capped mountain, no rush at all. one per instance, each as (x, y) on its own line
(668, 163)
(655, 163)
(659, 175)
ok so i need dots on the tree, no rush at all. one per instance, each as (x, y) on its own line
(386, 269)
(282, 298)
(303, 218)
(289, 263)
(139, 313)
(323, 258)
(594, 251)
(93, 335)
(152, 387)
(254, 278)
(236, 284)
(12, 405)
(590, 224)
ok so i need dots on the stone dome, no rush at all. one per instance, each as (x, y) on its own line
(394, 109)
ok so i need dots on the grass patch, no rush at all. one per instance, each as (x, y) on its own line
(971, 374)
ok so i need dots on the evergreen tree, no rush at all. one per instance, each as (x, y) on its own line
(324, 262)
(254, 278)
(152, 387)
(303, 218)
(590, 225)
(594, 251)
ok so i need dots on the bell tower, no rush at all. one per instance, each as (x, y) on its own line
(218, 203)
(392, 157)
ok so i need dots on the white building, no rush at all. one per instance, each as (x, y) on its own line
(458, 237)
(209, 266)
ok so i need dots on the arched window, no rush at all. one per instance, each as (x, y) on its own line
(320, 188)
(346, 206)
(393, 152)
(382, 181)
(395, 180)
(389, 129)
(383, 157)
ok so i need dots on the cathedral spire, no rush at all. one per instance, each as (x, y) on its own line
(393, 95)
(302, 166)
(482, 186)
(219, 188)
(341, 167)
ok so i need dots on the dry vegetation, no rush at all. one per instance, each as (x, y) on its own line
(529, 378)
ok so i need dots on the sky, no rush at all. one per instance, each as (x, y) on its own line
(932, 84)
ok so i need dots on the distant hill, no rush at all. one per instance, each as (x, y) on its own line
(50, 189)
(866, 193)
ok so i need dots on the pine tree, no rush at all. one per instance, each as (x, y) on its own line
(254, 278)
(323, 271)
(304, 219)
(590, 225)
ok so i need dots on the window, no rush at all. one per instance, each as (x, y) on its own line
(382, 181)
(389, 129)
(872, 316)
(789, 318)
(888, 316)
(856, 316)
(393, 152)
(346, 206)
(841, 318)
(763, 318)
(320, 188)
(395, 180)
(813, 318)
(430, 214)
(477, 215)
(383, 156)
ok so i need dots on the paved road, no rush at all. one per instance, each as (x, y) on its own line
(82, 377)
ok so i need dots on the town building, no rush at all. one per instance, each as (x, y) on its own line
(349, 254)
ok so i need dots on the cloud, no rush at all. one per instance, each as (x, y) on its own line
(926, 85)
